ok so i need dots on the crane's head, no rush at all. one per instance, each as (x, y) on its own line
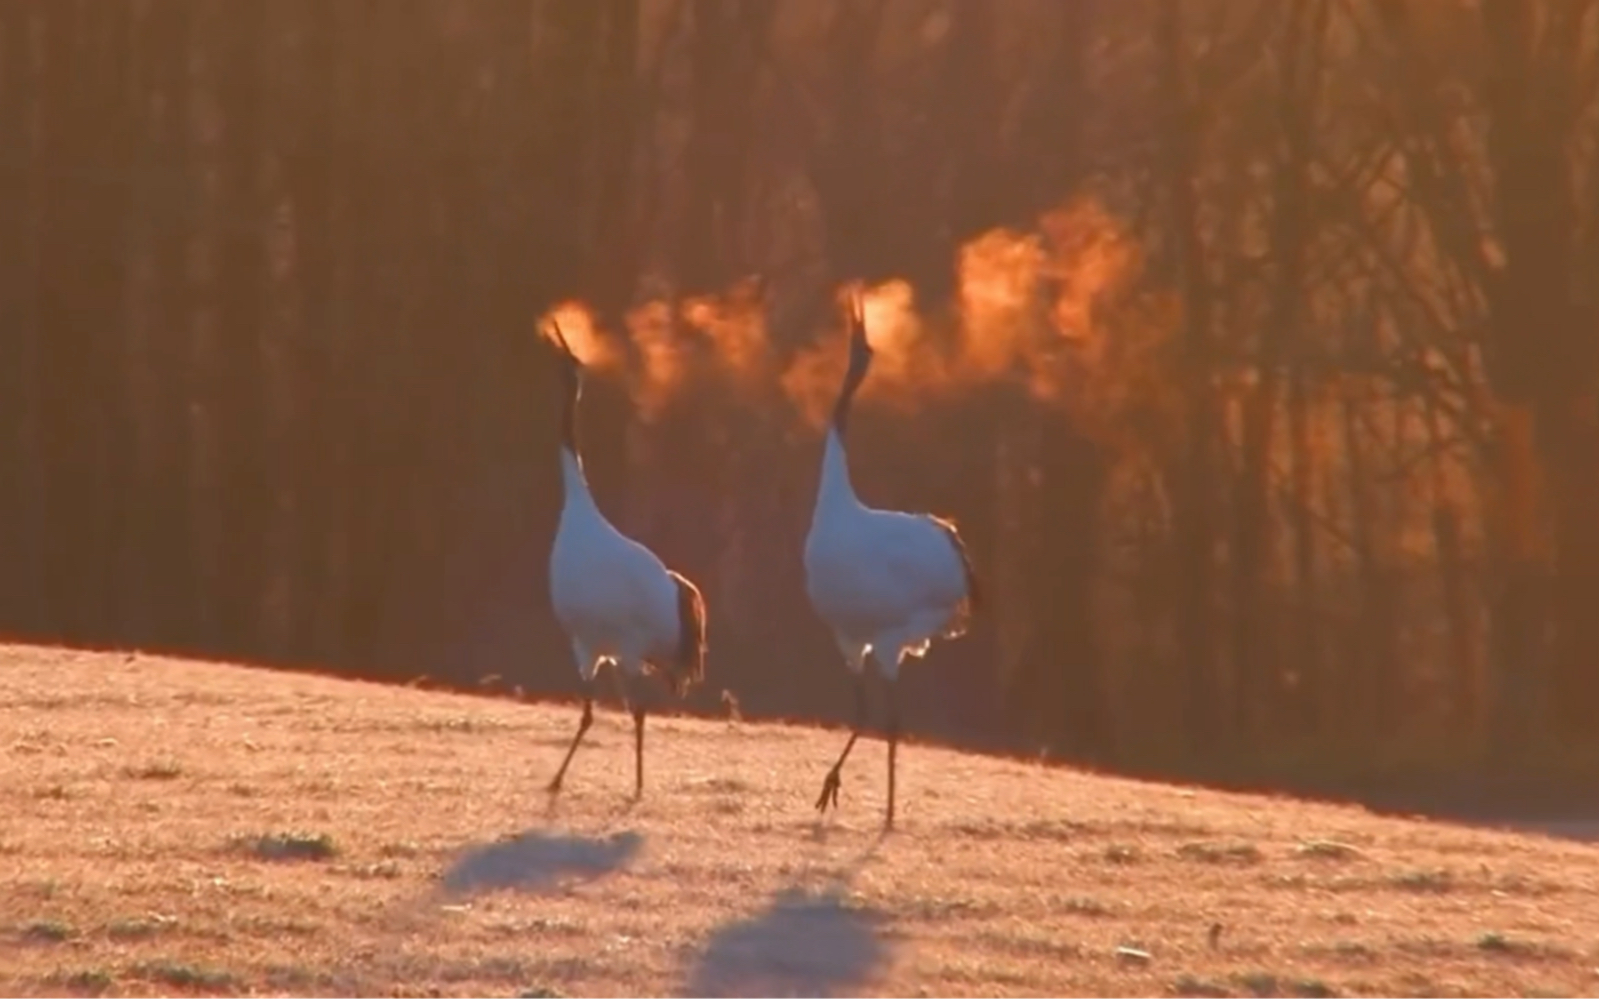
(860, 349)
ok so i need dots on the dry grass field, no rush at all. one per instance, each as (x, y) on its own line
(181, 828)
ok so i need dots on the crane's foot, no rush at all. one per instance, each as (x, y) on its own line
(553, 788)
(830, 788)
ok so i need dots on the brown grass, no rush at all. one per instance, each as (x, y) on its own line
(173, 827)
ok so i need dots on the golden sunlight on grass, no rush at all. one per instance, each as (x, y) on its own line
(174, 827)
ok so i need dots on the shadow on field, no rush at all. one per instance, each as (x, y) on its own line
(804, 944)
(534, 861)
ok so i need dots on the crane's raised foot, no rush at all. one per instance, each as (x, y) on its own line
(553, 788)
(830, 788)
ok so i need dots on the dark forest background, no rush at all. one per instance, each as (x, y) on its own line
(1252, 343)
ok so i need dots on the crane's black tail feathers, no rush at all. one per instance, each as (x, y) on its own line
(974, 601)
(688, 667)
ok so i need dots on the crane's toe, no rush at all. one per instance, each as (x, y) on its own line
(830, 788)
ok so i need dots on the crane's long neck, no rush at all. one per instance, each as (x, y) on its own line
(573, 482)
(575, 486)
(846, 399)
(836, 491)
(574, 388)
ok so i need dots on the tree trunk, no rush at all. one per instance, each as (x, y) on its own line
(1530, 334)
(617, 248)
(1372, 671)
(1313, 687)
(21, 508)
(1195, 493)
(239, 391)
(312, 165)
(844, 168)
(82, 269)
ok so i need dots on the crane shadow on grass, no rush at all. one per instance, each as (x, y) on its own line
(537, 861)
(804, 943)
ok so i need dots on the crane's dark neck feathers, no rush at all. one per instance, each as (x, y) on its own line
(853, 376)
(573, 387)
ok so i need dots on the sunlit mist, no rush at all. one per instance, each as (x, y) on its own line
(735, 325)
(1089, 254)
(576, 325)
(904, 359)
(1023, 312)
(661, 361)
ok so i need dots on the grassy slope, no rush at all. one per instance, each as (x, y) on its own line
(136, 790)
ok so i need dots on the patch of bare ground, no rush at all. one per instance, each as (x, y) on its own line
(181, 828)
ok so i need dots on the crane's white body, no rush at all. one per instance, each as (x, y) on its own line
(617, 603)
(887, 583)
(615, 599)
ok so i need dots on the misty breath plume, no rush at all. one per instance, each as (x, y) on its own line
(1023, 312)
(662, 360)
(907, 364)
(734, 327)
(577, 325)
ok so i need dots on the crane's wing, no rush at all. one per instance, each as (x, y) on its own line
(923, 559)
(974, 587)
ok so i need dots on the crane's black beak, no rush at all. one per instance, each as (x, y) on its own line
(558, 338)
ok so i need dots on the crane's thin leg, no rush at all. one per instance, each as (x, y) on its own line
(638, 752)
(633, 683)
(892, 696)
(582, 727)
(831, 784)
(639, 710)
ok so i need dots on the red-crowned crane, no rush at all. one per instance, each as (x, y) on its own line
(614, 598)
(887, 583)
